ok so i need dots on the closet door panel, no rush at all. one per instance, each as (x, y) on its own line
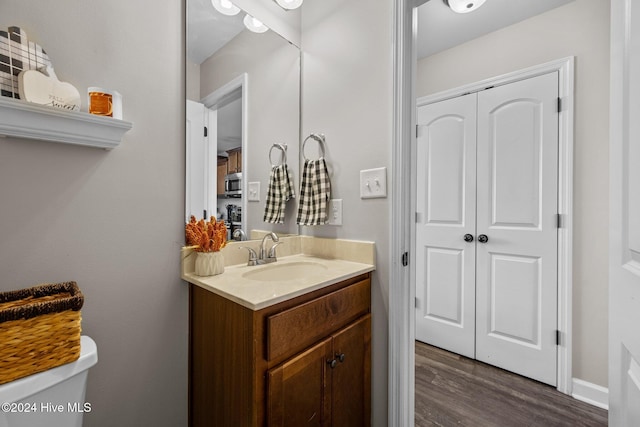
(445, 262)
(516, 274)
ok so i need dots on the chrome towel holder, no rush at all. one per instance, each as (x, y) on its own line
(317, 137)
(281, 147)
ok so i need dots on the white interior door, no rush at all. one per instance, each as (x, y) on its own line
(624, 260)
(201, 163)
(487, 170)
(196, 191)
(517, 184)
(446, 199)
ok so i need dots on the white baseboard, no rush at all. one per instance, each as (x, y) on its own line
(590, 393)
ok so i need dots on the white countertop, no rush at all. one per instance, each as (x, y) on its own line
(258, 294)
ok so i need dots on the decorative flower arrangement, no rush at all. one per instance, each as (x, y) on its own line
(206, 236)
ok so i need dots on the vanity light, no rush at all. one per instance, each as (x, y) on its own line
(464, 6)
(225, 7)
(289, 4)
(254, 25)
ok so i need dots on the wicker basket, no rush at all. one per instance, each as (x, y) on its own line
(39, 329)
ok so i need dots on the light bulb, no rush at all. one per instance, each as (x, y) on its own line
(289, 4)
(225, 7)
(464, 6)
(254, 24)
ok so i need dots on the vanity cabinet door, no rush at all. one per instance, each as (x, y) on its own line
(297, 389)
(326, 385)
(351, 388)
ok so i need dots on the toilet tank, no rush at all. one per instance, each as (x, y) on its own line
(53, 398)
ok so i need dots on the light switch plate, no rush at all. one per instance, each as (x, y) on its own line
(373, 183)
(335, 212)
(254, 192)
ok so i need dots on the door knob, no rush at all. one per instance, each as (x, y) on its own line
(483, 238)
(340, 357)
(332, 363)
(468, 237)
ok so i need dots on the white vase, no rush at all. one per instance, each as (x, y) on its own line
(209, 263)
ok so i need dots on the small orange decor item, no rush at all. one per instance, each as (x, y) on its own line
(206, 236)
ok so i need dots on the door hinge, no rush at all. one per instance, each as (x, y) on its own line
(206, 132)
(418, 218)
(405, 259)
(417, 127)
(416, 303)
(558, 336)
(559, 104)
(204, 214)
(559, 220)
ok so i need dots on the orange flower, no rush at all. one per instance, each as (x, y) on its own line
(206, 236)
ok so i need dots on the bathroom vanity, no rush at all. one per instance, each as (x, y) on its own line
(292, 353)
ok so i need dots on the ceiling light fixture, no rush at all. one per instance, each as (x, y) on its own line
(225, 7)
(464, 6)
(254, 25)
(289, 4)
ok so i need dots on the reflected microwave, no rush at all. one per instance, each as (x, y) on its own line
(233, 185)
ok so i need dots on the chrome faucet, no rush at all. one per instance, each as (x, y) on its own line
(263, 257)
(271, 257)
(238, 234)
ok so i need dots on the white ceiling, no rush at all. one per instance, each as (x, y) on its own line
(439, 28)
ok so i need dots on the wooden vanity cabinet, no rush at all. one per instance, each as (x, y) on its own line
(306, 361)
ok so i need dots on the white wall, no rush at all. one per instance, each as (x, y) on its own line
(111, 220)
(580, 28)
(347, 95)
(273, 73)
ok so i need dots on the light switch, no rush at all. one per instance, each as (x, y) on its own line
(335, 212)
(254, 192)
(373, 183)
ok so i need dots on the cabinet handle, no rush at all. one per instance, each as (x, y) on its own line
(340, 357)
(332, 363)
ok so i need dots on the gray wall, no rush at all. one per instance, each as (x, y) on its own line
(111, 220)
(580, 28)
(347, 87)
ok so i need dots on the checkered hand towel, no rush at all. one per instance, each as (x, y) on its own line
(279, 193)
(315, 192)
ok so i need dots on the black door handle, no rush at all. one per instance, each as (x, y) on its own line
(483, 238)
(468, 237)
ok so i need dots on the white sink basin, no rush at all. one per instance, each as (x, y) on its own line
(282, 272)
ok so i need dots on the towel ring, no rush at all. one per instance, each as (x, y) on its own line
(318, 137)
(281, 147)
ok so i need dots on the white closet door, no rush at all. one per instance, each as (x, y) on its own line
(516, 277)
(445, 262)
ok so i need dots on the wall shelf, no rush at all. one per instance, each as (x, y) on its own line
(24, 120)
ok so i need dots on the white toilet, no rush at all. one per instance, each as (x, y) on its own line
(54, 398)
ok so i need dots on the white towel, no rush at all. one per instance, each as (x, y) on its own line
(315, 192)
(280, 191)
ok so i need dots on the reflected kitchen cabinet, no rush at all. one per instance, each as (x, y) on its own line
(234, 164)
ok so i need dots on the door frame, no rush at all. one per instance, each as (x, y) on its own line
(401, 339)
(565, 69)
(211, 102)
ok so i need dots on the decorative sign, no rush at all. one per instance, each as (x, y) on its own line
(46, 89)
(18, 54)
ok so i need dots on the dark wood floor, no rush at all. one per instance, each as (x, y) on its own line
(452, 390)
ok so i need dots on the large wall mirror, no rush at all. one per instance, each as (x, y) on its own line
(243, 96)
